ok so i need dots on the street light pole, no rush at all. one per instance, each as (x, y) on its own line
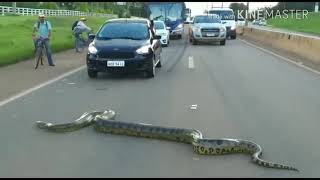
(247, 14)
(14, 5)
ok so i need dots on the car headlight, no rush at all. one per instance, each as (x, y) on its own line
(92, 49)
(180, 26)
(143, 50)
(222, 29)
(196, 29)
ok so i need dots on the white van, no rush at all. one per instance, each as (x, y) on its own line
(228, 19)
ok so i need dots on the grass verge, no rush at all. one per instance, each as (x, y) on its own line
(16, 41)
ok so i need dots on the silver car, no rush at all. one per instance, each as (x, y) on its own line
(207, 28)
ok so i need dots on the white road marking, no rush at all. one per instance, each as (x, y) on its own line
(145, 124)
(299, 64)
(196, 159)
(23, 93)
(194, 106)
(191, 63)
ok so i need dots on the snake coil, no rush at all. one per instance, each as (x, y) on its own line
(104, 122)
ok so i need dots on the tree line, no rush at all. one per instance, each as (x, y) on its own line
(241, 7)
(127, 10)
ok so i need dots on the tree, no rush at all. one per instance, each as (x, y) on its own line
(238, 8)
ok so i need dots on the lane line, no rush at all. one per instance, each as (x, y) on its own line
(25, 92)
(299, 64)
(191, 63)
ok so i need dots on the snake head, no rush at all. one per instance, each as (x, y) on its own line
(43, 125)
(108, 114)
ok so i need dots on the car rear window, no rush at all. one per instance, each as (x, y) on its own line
(159, 25)
(206, 19)
(123, 30)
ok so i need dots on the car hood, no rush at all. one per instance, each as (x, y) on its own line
(120, 44)
(208, 25)
(161, 31)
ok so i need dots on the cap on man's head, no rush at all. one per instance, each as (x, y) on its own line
(41, 15)
(83, 19)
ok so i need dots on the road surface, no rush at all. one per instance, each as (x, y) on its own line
(240, 92)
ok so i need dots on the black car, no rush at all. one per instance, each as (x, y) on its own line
(124, 45)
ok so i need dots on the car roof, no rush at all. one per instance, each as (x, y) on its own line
(211, 15)
(220, 8)
(129, 20)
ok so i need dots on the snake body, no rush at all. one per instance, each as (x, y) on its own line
(103, 121)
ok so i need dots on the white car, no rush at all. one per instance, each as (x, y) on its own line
(241, 22)
(163, 31)
(262, 22)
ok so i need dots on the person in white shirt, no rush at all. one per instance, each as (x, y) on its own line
(82, 27)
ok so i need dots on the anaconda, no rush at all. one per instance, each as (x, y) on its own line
(104, 122)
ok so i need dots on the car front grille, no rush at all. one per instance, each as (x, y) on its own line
(210, 30)
(116, 55)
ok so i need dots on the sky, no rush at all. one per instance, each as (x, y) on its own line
(199, 7)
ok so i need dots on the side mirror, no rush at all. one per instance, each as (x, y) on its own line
(157, 37)
(92, 36)
(168, 28)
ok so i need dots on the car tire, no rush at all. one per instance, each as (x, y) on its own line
(92, 74)
(194, 42)
(179, 36)
(233, 37)
(223, 42)
(150, 73)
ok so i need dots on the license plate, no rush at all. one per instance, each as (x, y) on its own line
(211, 34)
(115, 63)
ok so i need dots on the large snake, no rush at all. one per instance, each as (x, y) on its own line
(104, 122)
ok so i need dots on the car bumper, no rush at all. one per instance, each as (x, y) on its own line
(139, 63)
(176, 32)
(231, 32)
(199, 37)
(164, 40)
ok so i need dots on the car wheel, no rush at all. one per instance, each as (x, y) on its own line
(179, 36)
(223, 42)
(194, 42)
(92, 74)
(150, 73)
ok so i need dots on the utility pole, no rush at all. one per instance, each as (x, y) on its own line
(247, 14)
(316, 7)
(14, 5)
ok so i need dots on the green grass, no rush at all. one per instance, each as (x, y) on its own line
(16, 41)
(311, 24)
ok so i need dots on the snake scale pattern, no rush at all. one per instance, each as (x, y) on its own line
(103, 121)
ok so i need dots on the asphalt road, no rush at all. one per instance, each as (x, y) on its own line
(240, 92)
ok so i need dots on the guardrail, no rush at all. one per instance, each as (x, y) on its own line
(50, 12)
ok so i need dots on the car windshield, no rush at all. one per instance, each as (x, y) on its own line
(115, 30)
(206, 19)
(159, 25)
(224, 14)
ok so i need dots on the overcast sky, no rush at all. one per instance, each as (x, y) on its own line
(199, 7)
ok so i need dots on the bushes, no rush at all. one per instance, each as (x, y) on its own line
(48, 5)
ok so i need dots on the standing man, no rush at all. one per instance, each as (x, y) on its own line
(43, 28)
